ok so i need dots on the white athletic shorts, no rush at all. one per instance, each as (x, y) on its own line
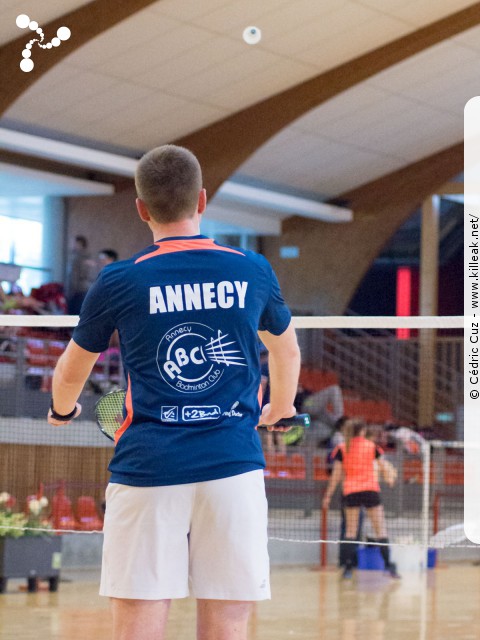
(205, 539)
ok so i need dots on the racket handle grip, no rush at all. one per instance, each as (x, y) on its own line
(299, 420)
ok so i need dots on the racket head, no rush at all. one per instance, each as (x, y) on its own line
(109, 412)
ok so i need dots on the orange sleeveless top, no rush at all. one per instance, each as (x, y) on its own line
(358, 465)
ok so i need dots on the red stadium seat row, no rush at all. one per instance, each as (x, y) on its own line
(452, 473)
(293, 467)
(43, 353)
(280, 465)
(372, 411)
(85, 518)
(413, 472)
(316, 380)
(62, 515)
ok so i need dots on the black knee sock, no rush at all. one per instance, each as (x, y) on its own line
(385, 551)
(348, 553)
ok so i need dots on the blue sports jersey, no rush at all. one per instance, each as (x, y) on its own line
(187, 311)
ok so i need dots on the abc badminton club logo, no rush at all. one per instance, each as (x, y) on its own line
(24, 22)
(192, 357)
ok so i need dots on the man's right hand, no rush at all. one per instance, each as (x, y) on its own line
(270, 416)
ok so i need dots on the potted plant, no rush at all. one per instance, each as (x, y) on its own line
(28, 548)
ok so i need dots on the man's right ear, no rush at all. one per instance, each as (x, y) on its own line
(202, 201)
(142, 210)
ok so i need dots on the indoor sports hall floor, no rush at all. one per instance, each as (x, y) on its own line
(306, 605)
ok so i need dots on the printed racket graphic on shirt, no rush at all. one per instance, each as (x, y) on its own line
(109, 414)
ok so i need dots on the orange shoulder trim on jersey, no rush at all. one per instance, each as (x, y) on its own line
(129, 407)
(175, 246)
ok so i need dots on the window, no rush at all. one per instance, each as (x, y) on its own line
(21, 239)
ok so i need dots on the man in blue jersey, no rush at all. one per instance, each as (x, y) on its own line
(185, 507)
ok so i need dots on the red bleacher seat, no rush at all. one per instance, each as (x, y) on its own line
(297, 466)
(316, 380)
(453, 472)
(55, 350)
(282, 466)
(320, 471)
(87, 514)
(413, 472)
(278, 466)
(270, 469)
(372, 411)
(62, 512)
(36, 353)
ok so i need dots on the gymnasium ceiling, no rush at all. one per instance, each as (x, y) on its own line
(175, 69)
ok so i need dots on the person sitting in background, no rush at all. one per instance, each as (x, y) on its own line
(17, 303)
(326, 408)
(52, 297)
(409, 440)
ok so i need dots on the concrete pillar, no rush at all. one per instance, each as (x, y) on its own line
(428, 307)
(54, 238)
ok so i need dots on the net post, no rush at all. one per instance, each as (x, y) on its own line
(323, 537)
(426, 458)
(436, 513)
(20, 373)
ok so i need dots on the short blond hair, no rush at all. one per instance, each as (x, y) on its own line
(169, 179)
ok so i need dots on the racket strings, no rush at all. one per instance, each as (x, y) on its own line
(109, 412)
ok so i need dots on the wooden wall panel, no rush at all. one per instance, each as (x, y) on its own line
(108, 222)
(83, 469)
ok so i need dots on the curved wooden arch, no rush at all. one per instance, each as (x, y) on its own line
(335, 257)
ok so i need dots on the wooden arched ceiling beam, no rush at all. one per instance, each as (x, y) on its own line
(335, 257)
(85, 23)
(223, 146)
(408, 186)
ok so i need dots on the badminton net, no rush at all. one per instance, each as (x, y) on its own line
(402, 377)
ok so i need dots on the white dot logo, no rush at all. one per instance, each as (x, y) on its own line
(64, 33)
(24, 22)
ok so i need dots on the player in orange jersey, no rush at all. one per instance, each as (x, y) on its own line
(357, 462)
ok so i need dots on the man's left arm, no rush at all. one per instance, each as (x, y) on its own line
(72, 371)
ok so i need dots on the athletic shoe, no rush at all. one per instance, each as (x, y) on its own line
(392, 571)
(347, 573)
